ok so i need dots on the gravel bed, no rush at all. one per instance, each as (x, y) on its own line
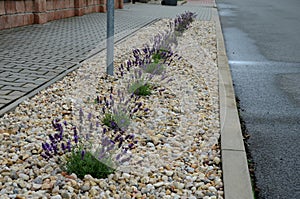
(178, 149)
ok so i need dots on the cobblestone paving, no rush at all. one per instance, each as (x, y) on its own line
(33, 57)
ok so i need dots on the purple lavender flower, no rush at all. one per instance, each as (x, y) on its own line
(63, 146)
(120, 142)
(76, 139)
(51, 138)
(56, 136)
(131, 145)
(44, 147)
(82, 154)
(117, 138)
(48, 147)
(90, 116)
(69, 145)
(140, 104)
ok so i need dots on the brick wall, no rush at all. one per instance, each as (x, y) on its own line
(15, 13)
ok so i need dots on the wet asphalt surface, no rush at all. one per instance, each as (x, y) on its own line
(263, 48)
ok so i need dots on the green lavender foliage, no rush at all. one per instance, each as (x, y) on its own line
(85, 164)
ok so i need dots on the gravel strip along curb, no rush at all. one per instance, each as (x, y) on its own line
(178, 153)
(236, 178)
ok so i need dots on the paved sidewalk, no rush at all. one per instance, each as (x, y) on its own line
(33, 57)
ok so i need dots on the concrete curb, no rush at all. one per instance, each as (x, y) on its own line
(236, 178)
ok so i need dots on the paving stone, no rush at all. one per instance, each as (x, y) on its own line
(4, 101)
(16, 93)
(9, 98)
(5, 92)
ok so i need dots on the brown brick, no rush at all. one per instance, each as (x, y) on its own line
(50, 16)
(97, 8)
(28, 19)
(20, 6)
(8, 21)
(19, 20)
(62, 14)
(66, 4)
(54, 4)
(121, 4)
(10, 7)
(29, 6)
(79, 11)
(72, 5)
(2, 22)
(59, 4)
(103, 8)
(70, 13)
(55, 17)
(49, 5)
(40, 18)
(40, 5)
(2, 8)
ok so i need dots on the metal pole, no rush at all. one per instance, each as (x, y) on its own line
(110, 37)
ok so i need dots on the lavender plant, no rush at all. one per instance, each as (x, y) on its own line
(85, 155)
(118, 113)
(182, 22)
(139, 83)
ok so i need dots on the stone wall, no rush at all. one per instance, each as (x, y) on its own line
(14, 13)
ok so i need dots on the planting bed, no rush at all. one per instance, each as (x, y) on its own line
(177, 154)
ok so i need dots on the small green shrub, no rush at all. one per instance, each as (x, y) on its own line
(82, 164)
(159, 56)
(143, 90)
(118, 120)
(139, 87)
(108, 119)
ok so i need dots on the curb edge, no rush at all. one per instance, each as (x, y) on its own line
(236, 177)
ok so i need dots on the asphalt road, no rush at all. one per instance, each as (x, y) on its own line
(263, 48)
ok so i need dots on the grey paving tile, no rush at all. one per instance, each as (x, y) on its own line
(12, 88)
(16, 93)
(5, 92)
(4, 101)
(10, 97)
(10, 83)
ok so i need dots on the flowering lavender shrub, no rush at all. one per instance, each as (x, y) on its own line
(139, 83)
(182, 22)
(83, 154)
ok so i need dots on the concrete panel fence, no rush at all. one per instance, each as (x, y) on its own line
(14, 13)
